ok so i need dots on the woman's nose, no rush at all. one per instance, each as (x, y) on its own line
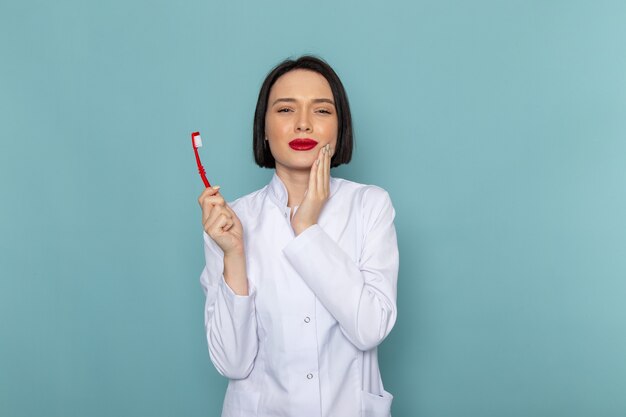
(303, 124)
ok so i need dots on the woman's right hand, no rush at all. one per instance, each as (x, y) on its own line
(223, 226)
(220, 222)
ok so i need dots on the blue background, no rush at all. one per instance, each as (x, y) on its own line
(498, 127)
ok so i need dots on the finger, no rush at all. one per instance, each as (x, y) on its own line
(205, 200)
(313, 177)
(229, 225)
(215, 214)
(219, 211)
(327, 171)
(217, 226)
(236, 220)
(208, 192)
(206, 212)
(209, 202)
(320, 173)
(213, 200)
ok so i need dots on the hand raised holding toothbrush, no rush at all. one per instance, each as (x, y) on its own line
(223, 226)
(316, 194)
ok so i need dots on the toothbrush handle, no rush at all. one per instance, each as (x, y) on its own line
(201, 169)
(207, 184)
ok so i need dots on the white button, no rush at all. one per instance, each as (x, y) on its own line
(309, 376)
(306, 319)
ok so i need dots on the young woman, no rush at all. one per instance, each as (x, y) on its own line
(300, 276)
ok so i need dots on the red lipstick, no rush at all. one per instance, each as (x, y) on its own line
(302, 144)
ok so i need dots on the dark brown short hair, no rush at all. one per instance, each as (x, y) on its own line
(343, 151)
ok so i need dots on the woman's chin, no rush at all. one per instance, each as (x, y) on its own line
(300, 164)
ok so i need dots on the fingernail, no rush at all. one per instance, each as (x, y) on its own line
(216, 187)
(317, 162)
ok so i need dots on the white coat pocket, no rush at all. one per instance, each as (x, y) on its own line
(240, 403)
(374, 405)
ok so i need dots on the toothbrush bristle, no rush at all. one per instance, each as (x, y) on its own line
(197, 141)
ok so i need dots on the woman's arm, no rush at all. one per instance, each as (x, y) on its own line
(361, 296)
(229, 314)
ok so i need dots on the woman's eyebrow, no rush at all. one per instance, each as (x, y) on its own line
(293, 100)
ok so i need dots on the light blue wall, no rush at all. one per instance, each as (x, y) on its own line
(498, 127)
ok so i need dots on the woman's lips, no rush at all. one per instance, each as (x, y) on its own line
(302, 144)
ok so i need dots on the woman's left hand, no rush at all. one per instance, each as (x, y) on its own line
(316, 195)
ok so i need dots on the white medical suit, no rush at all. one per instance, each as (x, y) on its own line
(303, 342)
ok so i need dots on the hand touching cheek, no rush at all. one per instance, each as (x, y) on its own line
(316, 194)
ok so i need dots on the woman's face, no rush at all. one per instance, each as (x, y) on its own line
(300, 119)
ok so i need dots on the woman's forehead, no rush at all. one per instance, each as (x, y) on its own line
(301, 83)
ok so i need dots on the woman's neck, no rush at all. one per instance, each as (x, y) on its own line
(296, 183)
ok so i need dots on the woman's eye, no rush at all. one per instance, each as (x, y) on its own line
(324, 111)
(284, 110)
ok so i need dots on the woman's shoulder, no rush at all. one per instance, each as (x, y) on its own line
(249, 200)
(368, 202)
(367, 193)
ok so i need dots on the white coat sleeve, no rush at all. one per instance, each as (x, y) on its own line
(229, 319)
(361, 296)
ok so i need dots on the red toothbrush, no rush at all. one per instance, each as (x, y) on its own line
(196, 142)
